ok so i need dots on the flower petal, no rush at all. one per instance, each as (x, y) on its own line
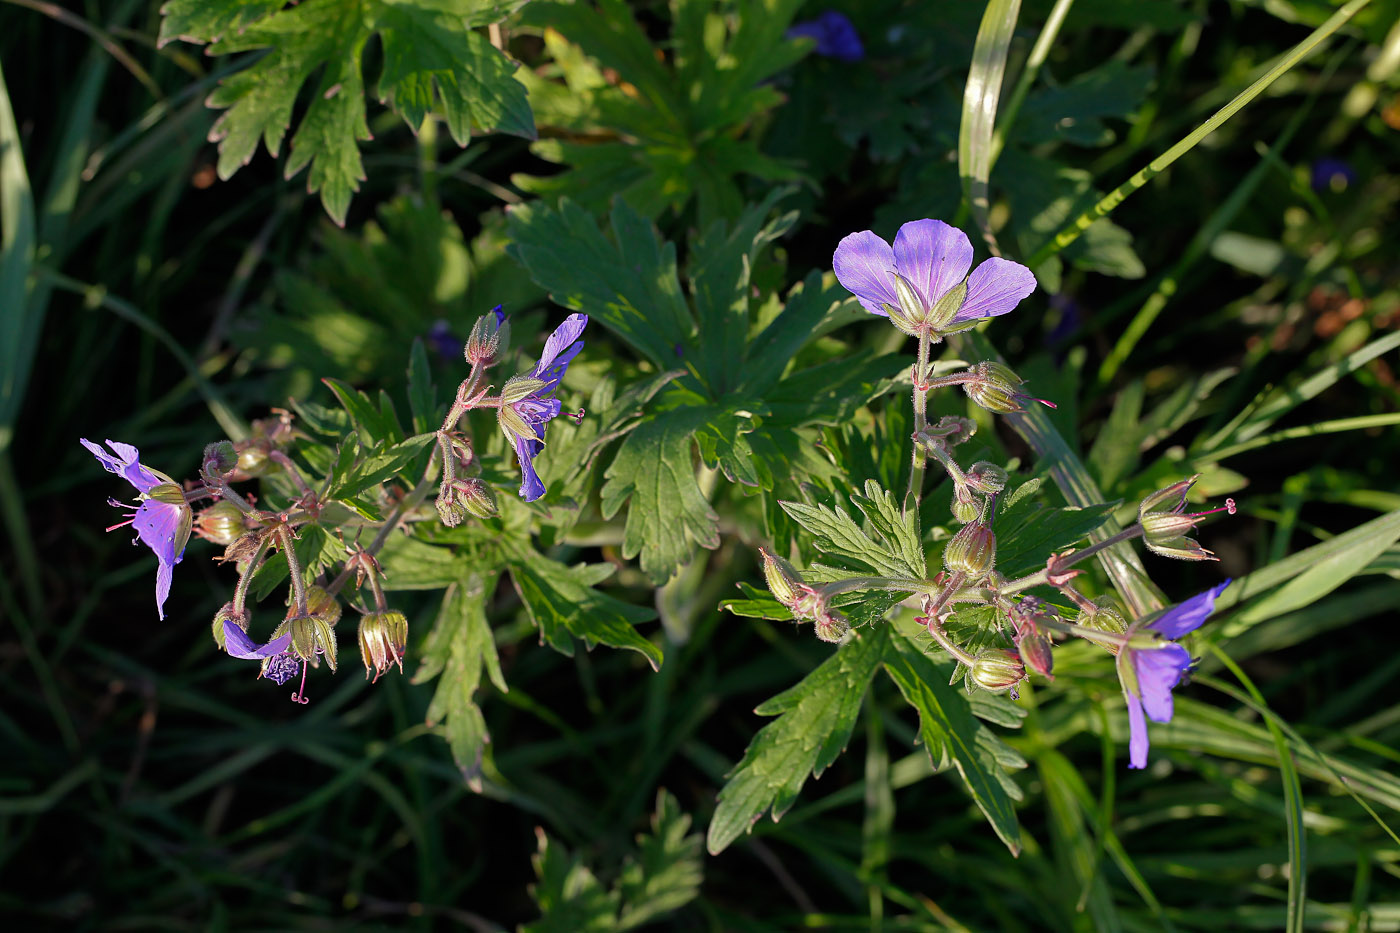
(933, 256)
(1158, 671)
(125, 464)
(995, 287)
(1137, 732)
(531, 487)
(562, 341)
(863, 263)
(1189, 615)
(238, 644)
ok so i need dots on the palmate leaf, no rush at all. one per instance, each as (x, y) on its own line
(459, 647)
(894, 551)
(814, 723)
(434, 61)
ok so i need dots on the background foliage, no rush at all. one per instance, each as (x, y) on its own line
(672, 170)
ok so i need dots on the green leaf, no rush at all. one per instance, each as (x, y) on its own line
(570, 897)
(809, 305)
(374, 469)
(459, 647)
(421, 401)
(894, 551)
(666, 871)
(370, 421)
(952, 735)
(668, 514)
(630, 287)
(563, 603)
(815, 720)
(434, 61)
(1029, 532)
(1073, 112)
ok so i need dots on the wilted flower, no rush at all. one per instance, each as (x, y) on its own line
(526, 405)
(1165, 523)
(836, 36)
(922, 284)
(238, 644)
(1150, 665)
(162, 520)
(382, 639)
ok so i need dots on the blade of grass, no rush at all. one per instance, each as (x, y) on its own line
(984, 78)
(18, 328)
(1292, 801)
(1039, 52)
(1106, 205)
(1219, 219)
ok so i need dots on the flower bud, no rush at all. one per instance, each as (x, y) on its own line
(254, 462)
(223, 523)
(831, 625)
(997, 670)
(220, 457)
(1165, 524)
(965, 506)
(489, 339)
(382, 639)
(450, 507)
(954, 429)
(1035, 651)
(994, 388)
(476, 497)
(986, 478)
(973, 551)
(229, 614)
(1103, 615)
(783, 581)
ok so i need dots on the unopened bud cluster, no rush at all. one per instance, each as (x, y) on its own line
(804, 602)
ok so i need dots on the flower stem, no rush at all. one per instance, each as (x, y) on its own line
(284, 537)
(240, 591)
(921, 387)
(1041, 577)
(935, 628)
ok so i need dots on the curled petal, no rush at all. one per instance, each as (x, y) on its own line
(995, 287)
(1189, 615)
(531, 487)
(933, 256)
(1158, 671)
(1137, 732)
(239, 645)
(125, 464)
(863, 263)
(561, 347)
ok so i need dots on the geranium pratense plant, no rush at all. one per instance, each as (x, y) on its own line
(261, 537)
(922, 284)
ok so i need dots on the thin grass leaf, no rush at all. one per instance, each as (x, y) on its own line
(1118, 195)
(979, 111)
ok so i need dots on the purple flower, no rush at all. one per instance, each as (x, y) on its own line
(1149, 667)
(1329, 174)
(922, 284)
(163, 518)
(836, 36)
(238, 644)
(527, 405)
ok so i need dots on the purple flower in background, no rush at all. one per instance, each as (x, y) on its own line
(442, 340)
(1149, 667)
(1329, 174)
(162, 519)
(238, 644)
(836, 36)
(922, 284)
(527, 405)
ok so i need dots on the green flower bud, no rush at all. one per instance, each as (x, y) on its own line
(997, 670)
(476, 497)
(986, 478)
(783, 581)
(973, 551)
(994, 388)
(832, 625)
(220, 457)
(965, 506)
(223, 523)
(450, 507)
(489, 339)
(254, 462)
(382, 639)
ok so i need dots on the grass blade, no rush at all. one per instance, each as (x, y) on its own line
(980, 97)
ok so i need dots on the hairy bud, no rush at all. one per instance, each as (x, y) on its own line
(489, 339)
(965, 506)
(1035, 651)
(986, 478)
(972, 551)
(220, 458)
(476, 497)
(997, 670)
(1165, 523)
(223, 523)
(783, 581)
(831, 625)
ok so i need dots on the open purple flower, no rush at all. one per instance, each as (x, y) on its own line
(836, 36)
(1149, 667)
(527, 404)
(162, 519)
(922, 284)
